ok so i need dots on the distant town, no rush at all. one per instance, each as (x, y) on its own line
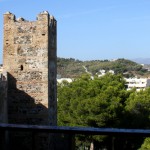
(138, 83)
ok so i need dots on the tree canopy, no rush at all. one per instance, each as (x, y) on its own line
(103, 102)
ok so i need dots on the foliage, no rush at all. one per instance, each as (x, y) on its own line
(74, 68)
(138, 109)
(145, 145)
(69, 67)
(103, 102)
(88, 102)
(94, 103)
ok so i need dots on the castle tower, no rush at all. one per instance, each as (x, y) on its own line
(29, 57)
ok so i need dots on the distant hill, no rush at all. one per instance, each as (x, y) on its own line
(72, 68)
(142, 60)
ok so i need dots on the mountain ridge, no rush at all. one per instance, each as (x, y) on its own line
(142, 60)
(72, 68)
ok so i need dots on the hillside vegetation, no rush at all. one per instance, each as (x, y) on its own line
(72, 68)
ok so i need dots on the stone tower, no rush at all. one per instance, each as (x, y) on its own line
(29, 57)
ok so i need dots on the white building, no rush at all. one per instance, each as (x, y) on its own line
(139, 84)
(64, 79)
(111, 71)
(103, 72)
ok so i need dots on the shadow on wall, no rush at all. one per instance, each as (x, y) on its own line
(3, 106)
(3, 98)
(22, 109)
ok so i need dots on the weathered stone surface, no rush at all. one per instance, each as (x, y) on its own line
(36, 63)
(30, 60)
(29, 75)
(23, 39)
(32, 51)
(26, 29)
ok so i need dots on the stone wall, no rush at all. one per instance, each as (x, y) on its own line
(29, 57)
(3, 107)
(3, 98)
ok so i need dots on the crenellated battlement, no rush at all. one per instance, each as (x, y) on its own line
(43, 16)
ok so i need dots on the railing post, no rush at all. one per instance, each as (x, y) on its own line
(33, 140)
(71, 142)
(6, 140)
(113, 143)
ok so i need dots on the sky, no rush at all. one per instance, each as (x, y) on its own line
(91, 29)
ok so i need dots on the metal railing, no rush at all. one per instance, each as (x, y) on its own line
(5, 128)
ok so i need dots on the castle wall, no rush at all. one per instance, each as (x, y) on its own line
(3, 98)
(29, 57)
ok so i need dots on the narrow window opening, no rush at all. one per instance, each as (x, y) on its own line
(43, 34)
(21, 67)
